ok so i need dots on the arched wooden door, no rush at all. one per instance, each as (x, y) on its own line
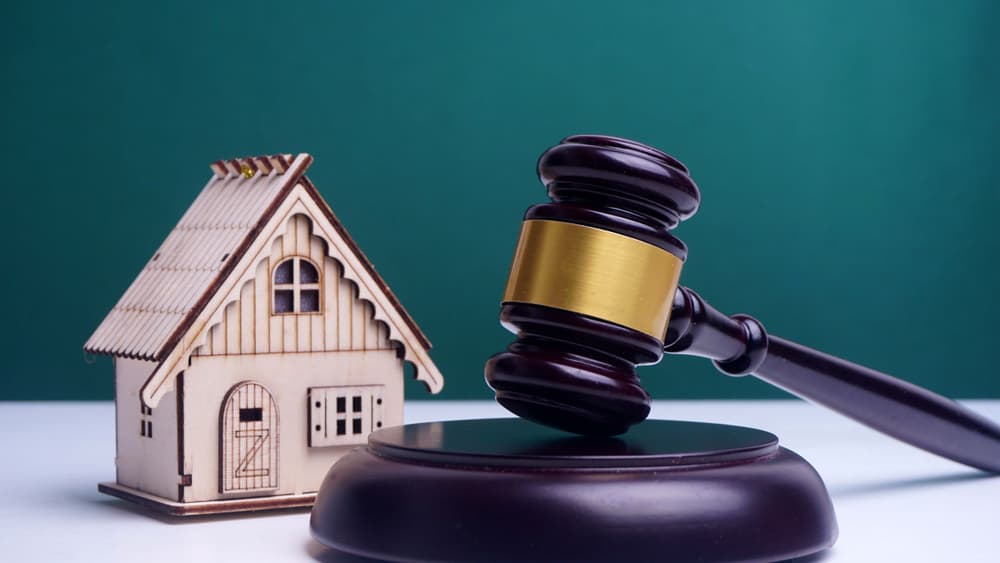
(249, 440)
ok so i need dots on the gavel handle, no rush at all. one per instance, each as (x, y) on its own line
(740, 346)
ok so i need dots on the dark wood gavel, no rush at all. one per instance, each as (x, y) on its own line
(593, 292)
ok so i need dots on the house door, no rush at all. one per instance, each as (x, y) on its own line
(249, 440)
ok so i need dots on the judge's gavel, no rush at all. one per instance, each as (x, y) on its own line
(593, 292)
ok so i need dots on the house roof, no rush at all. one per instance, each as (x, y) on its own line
(201, 251)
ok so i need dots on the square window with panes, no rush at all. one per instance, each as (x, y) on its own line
(340, 416)
(146, 422)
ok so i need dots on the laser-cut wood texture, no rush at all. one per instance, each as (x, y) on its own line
(256, 298)
(249, 440)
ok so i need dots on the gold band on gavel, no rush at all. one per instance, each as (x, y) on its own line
(594, 272)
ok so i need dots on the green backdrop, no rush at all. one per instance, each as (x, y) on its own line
(847, 155)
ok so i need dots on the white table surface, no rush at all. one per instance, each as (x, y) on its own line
(893, 502)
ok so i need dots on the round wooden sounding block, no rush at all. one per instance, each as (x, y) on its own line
(509, 490)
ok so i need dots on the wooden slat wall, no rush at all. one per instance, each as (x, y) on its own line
(346, 322)
(276, 327)
(261, 308)
(317, 323)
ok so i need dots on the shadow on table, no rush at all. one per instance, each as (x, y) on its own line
(324, 554)
(119, 506)
(814, 558)
(903, 484)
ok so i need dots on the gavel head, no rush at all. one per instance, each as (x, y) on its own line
(592, 284)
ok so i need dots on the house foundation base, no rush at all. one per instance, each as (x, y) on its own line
(200, 508)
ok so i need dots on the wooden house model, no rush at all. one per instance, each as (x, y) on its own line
(255, 348)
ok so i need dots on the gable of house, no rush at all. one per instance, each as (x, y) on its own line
(210, 288)
(300, 298)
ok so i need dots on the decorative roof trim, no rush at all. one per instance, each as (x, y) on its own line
(369, 267)
(251, 166)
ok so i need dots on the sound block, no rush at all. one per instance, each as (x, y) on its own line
(509, 490)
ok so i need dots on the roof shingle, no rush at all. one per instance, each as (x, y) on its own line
(194, 256)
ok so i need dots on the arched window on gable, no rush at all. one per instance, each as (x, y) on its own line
(295, 287)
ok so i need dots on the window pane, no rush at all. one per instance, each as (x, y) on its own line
(341, 404)
(283, 301)
(310, 300)
(283, 273)
(357, 426)
(341, 427)
(252, 414)
(307, 272)
(356, 404)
